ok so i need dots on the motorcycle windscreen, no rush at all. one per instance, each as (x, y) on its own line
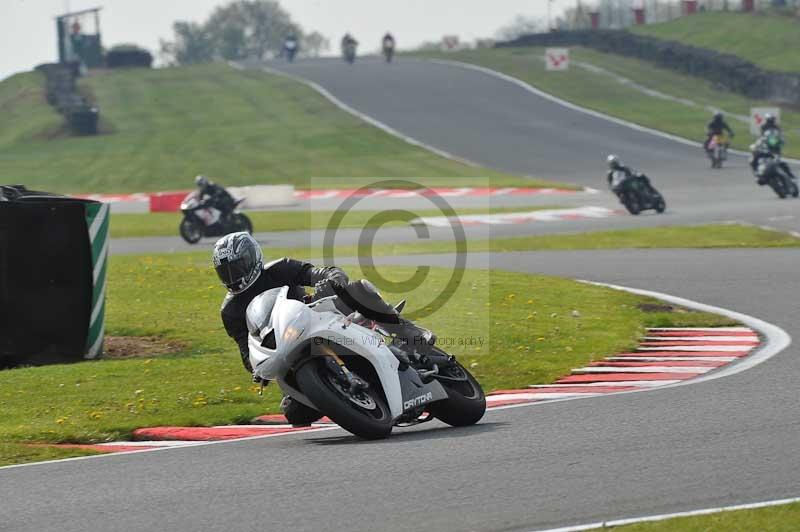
(45, 280)
(259, 311)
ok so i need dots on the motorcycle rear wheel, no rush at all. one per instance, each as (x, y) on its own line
(191, 231)
(466, 402)
(366, 416)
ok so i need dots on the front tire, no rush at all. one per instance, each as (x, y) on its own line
(241, 222)
(366, 416)
(779, 186)
(466, 402)
(661, 205)
(631, 202)
(191, 230)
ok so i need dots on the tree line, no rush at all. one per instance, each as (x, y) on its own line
(239, 30)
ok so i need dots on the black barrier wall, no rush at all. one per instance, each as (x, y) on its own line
(46, 280)
(728, 71)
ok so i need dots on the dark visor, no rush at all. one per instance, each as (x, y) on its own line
(232, 272)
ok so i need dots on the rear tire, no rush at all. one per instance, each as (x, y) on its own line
(466, 402)
(316, 381)
(191, 230)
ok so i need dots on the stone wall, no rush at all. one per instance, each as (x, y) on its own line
(727, 71)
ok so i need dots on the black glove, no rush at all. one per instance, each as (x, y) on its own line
(324, 288)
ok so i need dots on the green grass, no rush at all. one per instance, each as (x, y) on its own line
(26, 115)
(166, 224)
(605, 94)
(699, 236)
(782, 518)
(770, 41)
(525, 322)
(239, 127)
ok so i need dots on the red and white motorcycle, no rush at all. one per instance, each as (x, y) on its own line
(201, 220)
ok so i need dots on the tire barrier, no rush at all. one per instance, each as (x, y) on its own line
(728, 71)
(128, 57)
(53, 252)
(62, 93)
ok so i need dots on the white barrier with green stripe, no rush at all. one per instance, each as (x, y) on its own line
(97, 219)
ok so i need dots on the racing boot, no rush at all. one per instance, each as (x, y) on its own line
(298, 414)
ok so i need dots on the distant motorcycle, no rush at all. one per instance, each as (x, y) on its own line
(202, 220)
(388, 52)
(717, 150)
(290, 49)
(771, 170)
(637, 194)
(349, 52)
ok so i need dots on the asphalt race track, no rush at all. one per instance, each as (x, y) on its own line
(727, 441)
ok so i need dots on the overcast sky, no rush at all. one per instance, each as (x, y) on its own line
(27, 37)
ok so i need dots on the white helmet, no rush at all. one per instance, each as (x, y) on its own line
(613, 161)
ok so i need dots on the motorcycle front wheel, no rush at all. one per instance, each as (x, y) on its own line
(191, 230)
(790, 185)
(465, 403)
(364, 413)
(631, 202)
(242, 223)
(779, 186)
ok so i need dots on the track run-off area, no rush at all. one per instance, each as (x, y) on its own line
(724, 441)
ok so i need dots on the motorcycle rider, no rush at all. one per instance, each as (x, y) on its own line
(771, 141)
(770, 122)
(717, 126)
(239, 263)
(215, 195)
(388, 44)
(620, 175)
(348, 41)
(290, 47)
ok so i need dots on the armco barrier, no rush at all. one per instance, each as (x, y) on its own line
(264, 196)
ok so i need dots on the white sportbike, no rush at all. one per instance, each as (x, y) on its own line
(350, 369)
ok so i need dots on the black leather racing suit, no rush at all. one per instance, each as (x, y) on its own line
(216, 196)
(282, 272)
(716, 127)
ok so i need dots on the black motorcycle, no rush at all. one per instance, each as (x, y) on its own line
(771, 170)
(349, 52)
(290, 50)
(638, 194)
(201, 219)
(388, 52)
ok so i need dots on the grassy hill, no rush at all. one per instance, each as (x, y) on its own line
(239, 127)
(26, 115)
(771, 41)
